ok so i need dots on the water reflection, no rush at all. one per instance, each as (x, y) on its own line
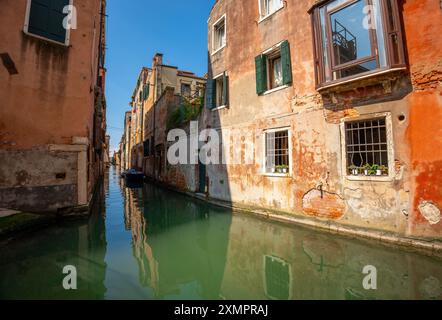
(267, 261)
(149, 243)
(31, 267)
(180, 245)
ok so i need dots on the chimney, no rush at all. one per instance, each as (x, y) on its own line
(158, 59)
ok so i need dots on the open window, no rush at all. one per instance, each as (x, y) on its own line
(45, 19)
(218, 91)
(273, 68)
(354, 38)
(219, 34)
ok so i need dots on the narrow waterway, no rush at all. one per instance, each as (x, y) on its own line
(149, 243)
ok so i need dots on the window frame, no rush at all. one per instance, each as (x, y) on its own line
(390, 148)
(27, 32)
(265, 17)
(319, 51)
(217, 22)
(264, 162)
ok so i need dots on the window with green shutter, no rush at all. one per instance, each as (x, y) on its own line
(46, 19)
(286, 63)
(225, 96)
(273, 69)
(218, 92)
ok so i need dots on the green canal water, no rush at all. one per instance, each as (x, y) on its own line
(149, 243)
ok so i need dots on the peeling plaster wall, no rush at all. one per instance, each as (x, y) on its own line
(412, 100)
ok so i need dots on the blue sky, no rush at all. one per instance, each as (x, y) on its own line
(136, 30)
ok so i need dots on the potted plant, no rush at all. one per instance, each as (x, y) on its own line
(383, 169)
(273, 169)
(368, 171)
(354, 170)
(285, 169)
(376, 170)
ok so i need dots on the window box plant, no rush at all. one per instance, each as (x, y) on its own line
(354, 170)
(368, 170)
(384, 170)
(282, 169)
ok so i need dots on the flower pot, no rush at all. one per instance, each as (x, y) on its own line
(355, 172)
(379, 172)
(273, 170)
(366, 172)
(284, 170)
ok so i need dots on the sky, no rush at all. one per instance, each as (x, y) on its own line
(136, 30)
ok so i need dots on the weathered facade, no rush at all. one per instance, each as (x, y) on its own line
(342, 122)
(160, 95)
(52, 105)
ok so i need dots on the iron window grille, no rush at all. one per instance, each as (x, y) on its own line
(367, 147)
(277, 152)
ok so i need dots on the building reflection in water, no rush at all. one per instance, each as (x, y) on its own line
(271, 261)
(32, 266)
(180, 245)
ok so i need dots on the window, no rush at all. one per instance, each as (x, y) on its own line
(277, 154)
(356, 37)
(218, 91)
(277, 275)
(219, 34)
(366, 147)
(44, 18)
(186, 89)
(273, 68)
(267, 7)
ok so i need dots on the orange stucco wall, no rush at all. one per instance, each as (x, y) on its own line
(50, 100)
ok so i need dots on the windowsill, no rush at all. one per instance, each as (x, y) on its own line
(218, 50)
(65, 44)
(269, 15)
(278, 175)
(275, 89)
(219, 108)
(337, 83)
(370, 178)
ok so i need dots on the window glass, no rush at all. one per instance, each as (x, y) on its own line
(219, 35)
(270, 6)
(277, 73)
(350, 35)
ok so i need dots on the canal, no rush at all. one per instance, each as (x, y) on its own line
(149, 243)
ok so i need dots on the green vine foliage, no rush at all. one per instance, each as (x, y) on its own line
(188, 110)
